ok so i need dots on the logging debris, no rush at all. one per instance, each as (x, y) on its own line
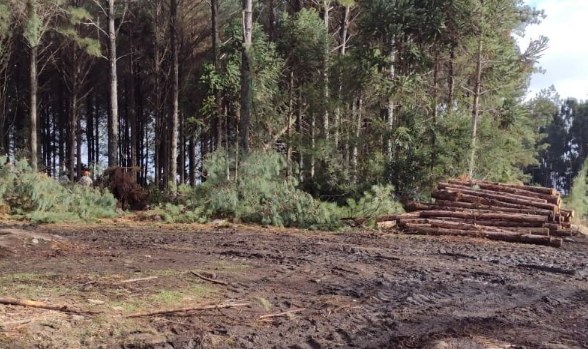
(496, 211)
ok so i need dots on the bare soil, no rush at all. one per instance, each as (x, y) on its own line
(305, 290)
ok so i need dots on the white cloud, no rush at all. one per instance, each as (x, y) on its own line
(566, 59)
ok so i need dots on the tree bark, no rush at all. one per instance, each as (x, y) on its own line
(113, 124)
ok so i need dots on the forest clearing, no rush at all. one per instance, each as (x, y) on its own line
(304, 174)
(287, 289)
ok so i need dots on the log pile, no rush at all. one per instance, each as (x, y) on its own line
(496, 211)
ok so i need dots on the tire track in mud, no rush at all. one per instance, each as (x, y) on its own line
(373, 291)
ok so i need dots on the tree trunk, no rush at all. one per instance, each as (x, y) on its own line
(476, 109)
(451, 77)
(300, 129)
(73, 123)
(290, 115)
(435, 108)
(134, 163)
(89, 131)
(342, 52)
(327, 49)
(192, 156)
(175, 93)
(358, 123)
(217, 93)
(113, 124)
(391, 106)
(246, 80)
(33, 108)
(79, 145)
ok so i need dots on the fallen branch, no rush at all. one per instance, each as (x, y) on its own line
(209, 279)
(194, 308)
(138, 279)
(286, 313)
(4, 325)
(35, 304)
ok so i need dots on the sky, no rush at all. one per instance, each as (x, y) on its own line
(566, 59)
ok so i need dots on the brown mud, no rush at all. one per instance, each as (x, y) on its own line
(306, 290)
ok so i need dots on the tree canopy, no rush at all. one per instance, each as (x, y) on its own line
(352, 93)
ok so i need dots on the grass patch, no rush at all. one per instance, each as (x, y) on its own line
(266, 305)
(165, 298)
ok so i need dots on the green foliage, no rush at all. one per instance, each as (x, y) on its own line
(376, 202)
(42, 199)
(34, 25)
(261, 192)
(578, 199)
(77, 15)
(171, 213)
(258, 190)
(89, 45)
(4, 21)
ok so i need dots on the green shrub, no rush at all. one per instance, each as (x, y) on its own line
(170, 213)
(39, 198)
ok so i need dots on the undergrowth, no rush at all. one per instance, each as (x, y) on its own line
(41, 199)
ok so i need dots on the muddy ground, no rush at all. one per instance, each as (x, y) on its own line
(301, 289)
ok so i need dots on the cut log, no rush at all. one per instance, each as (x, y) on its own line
(440, 204)
(485, 216)
(567, 213)
(393, 217)
(492, 223)
(459, 187)
(447, 195)
(500, 198)
(498, 236)
(551, 198)
(564, 232)
(478, 201)
(534, 231)
(540, 190)
(42, 305)
(412, 206)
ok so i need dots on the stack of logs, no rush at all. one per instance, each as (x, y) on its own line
(515, 213)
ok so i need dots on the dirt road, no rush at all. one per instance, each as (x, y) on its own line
(304, 290)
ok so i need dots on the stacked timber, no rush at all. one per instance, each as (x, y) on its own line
(496, 211)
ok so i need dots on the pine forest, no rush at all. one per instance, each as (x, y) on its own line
(221, 105)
